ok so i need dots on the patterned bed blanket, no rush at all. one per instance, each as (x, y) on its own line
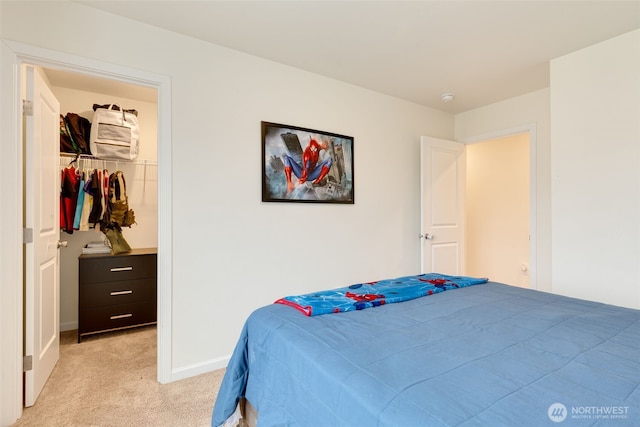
(373, 294)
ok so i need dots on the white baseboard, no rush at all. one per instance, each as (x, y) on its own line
(200, 368)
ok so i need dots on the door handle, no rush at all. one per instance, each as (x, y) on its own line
(427, 236)
(62, 244)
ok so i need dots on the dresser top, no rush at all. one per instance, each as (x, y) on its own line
(137, 251)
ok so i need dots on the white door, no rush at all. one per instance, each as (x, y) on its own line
(442, 179)
(42, 216)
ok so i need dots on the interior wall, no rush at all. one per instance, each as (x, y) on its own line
(142, 191)
(595, 106)
(512, 116)
(231, 252)
(497, 207)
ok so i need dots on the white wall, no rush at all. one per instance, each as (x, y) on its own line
(142, 191)
(497, 207)
(595, 116)
(515, 115)
(231, 252)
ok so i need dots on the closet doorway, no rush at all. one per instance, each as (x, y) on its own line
(84, 67)
(77, 93)
(15, 56)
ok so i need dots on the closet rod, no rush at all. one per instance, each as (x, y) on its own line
(136, 162)
(90, 157)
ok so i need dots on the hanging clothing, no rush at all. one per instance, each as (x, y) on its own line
(96, 192)
(79, 204)
(118, 207)
(70, 183)
(105, 191)
(89, 198)
(87, 204)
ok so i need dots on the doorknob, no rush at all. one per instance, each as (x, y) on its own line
(62, 244)
(427, 236)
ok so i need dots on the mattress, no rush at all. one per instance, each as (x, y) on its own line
(488, 354)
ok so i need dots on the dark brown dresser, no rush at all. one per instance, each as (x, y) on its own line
(116, 291)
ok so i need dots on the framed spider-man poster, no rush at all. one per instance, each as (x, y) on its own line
(306, 165)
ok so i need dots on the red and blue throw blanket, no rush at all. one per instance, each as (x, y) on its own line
(373, 294)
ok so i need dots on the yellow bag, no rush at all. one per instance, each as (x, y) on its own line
(118, 243)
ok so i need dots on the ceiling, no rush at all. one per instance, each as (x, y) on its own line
(115, 89)
(483, 51)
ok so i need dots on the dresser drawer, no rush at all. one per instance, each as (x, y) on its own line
(114, 293)
(117, 268)
(115, 317)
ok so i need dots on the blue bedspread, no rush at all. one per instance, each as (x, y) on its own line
(490, 355)
(375, 294)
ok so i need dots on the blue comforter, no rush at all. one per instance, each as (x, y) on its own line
(482, 355)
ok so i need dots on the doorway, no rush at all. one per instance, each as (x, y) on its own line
(497, 206)
(77, 93)
(529, 133)
(455, 211)
(18, 54)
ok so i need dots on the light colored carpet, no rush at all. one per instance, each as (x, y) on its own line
(109, 380)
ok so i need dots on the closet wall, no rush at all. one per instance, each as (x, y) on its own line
(142, 185)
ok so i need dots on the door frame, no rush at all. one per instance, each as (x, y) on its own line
(14, 55)
(531, 129)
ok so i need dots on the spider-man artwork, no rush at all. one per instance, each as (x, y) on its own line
(322, 171)
(311, 169)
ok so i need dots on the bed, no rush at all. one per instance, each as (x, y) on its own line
(489, 354)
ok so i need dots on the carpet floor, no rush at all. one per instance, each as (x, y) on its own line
(110, 380)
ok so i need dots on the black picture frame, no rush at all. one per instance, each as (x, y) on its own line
(329, 165)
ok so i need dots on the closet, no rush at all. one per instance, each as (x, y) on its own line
(77, 93)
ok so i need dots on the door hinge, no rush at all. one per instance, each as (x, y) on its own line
(27, 235)
(27, 363)
(27, 107)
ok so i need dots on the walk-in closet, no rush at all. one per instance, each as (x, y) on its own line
(77, 93)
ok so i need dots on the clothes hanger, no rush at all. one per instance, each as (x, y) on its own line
(75, 159)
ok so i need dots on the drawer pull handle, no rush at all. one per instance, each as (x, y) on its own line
(122, 269)
(121, 293)
(121, 316)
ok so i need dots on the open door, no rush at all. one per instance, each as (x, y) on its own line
(42, 231)
(442, 189)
